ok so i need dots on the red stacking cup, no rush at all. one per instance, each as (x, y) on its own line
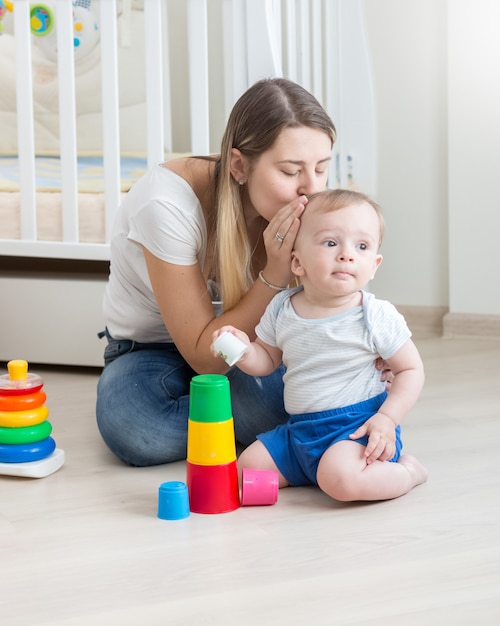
(213, 488)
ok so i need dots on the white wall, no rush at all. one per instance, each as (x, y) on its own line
(474, 156)
(436, 67)
(407, 42)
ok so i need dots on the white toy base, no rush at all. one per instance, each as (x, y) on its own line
(35, 469)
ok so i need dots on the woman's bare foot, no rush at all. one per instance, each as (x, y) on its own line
(416, 470)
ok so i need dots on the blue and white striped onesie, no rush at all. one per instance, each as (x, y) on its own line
(331, 383)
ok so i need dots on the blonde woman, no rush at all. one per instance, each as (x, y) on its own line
(200, 243)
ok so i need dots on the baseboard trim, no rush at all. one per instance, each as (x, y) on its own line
(471, 325)
(424, 321)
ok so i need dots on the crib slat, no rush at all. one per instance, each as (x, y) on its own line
(25, 125)
(167, 103)
(358, 116)
(67, 120)
(110, 112)
(154, 80)
(331, 82)
(252, 45)
(198, 76)
(290, 23)
(304, 62)
(235, 52)
(316, 49)
(263, 40)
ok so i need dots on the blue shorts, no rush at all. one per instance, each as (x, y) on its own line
(297, 446)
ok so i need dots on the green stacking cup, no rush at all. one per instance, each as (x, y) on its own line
(210, 398)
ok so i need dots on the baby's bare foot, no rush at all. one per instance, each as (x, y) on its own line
(415, 468)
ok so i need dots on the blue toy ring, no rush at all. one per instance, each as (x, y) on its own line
(24, 453)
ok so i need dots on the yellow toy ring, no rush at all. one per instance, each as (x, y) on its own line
(23, 402)
(17, 419)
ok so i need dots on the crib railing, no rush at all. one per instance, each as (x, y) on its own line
(318, 43)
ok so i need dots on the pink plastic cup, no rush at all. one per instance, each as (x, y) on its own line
(259, 487)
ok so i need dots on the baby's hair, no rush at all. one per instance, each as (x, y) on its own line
(335, 199)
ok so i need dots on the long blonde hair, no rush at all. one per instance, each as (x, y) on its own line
(254, 124)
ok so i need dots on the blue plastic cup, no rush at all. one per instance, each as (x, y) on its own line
(173, 500)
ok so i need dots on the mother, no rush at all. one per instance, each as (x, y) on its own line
(201, 242)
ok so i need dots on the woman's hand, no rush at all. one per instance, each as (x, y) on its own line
(279, 239)
(386, 376)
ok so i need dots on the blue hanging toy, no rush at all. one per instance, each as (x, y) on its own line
(85, 28)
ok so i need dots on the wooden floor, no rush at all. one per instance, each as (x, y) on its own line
(84, 546)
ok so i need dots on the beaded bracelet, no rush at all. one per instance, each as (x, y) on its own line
(270, 285)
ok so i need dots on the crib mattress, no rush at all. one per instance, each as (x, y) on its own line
(49, 216)
(49, 198)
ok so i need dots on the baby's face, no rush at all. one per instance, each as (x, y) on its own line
(336, 251)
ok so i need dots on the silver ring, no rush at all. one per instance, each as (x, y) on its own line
(279, 237)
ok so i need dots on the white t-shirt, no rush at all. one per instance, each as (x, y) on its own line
(162, 213)
(331, 361)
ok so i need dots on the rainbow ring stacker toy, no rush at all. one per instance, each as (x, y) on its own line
(26, 447)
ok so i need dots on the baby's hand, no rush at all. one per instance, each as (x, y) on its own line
(230, 344)
(381, 437)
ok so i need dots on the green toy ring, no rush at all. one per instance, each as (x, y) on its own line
(25, 434)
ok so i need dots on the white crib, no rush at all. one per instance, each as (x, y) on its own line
(196, 57)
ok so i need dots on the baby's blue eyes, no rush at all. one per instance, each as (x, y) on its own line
(329, 243)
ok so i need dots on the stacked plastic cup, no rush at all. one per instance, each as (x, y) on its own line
(26, 447)
(259, 487)
(173, 502)
(211, 470)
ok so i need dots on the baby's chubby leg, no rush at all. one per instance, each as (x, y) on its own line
(257, 457)
(344, 475)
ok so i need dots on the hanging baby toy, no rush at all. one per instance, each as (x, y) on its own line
(5, 6)
(85, 28)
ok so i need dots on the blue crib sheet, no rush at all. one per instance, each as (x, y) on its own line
(89, 171)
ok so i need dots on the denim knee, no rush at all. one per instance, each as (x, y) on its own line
(257, 403)
(142, 407)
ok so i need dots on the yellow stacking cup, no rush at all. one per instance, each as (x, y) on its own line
(211, 443)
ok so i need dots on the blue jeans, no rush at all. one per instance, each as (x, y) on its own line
(143, 402)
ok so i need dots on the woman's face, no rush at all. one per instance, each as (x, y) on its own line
(295, 165)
